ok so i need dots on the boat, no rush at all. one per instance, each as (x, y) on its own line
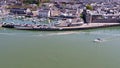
(24, 27)
(8, 25)
(98, 40)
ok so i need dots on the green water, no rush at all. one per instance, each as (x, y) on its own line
(71, 49)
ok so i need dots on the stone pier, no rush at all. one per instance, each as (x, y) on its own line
(91, 26)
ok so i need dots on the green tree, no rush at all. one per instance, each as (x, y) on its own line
(89, 7)
(81, 15)
(38, 2)
(28, 1)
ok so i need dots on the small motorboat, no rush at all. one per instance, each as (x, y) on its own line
(98, 40)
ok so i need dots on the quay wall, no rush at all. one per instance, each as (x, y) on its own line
(64, 28)
(83, 27)
(78, 28)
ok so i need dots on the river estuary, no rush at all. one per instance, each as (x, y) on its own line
(64, 49)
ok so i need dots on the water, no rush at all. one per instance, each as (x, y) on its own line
(72, 49)
(65, 49)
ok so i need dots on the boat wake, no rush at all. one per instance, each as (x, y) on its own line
(8, 34)
(107, 34)
(56, 34)
(98, 40)
(109, 38)
(62, 33)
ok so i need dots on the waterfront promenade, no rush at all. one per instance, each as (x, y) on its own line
(92, 25)
(83, 27)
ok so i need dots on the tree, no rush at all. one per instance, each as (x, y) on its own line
(89, 7)
(38, 2)
(81, 15)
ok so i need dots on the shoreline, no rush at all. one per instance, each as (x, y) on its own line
(55, 28)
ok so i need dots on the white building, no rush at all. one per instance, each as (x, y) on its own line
(44, 13)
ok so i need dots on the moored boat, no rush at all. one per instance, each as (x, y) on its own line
(8, 25)
(24, 27)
